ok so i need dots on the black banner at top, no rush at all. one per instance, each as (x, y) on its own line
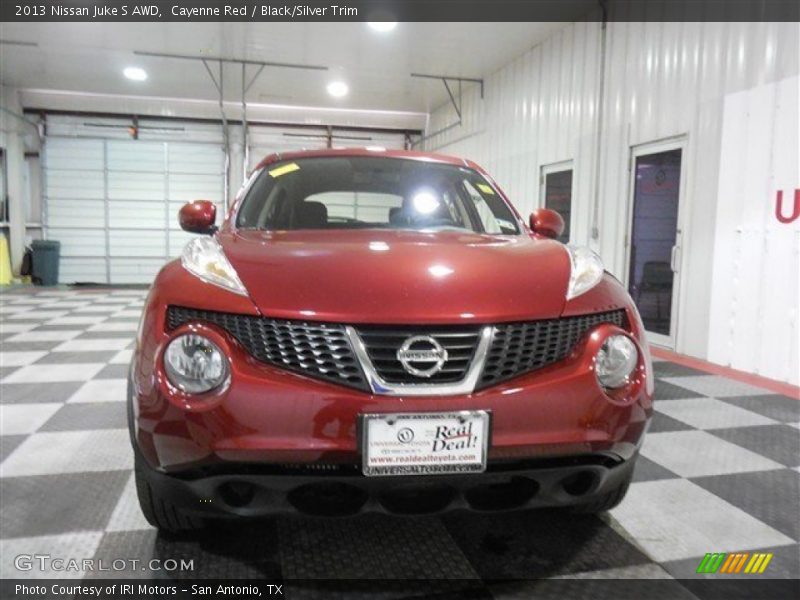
(397, 10)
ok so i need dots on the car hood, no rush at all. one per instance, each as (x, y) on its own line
(377, 276)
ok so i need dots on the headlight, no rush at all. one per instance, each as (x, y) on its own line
(616, 360)
(194, 364)
(203, 257)
(587, 270)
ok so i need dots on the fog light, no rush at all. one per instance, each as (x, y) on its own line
(195, 364)
(616, 360)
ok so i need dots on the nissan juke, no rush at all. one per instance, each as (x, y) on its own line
(373, 330)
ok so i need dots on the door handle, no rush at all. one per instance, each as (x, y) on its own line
(673, 263)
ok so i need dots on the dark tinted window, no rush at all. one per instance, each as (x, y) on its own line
(558, 197)
(366, 192)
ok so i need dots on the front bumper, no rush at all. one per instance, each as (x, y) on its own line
(254, 491)
(270, 416)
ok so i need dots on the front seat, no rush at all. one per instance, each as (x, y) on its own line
(310, 215)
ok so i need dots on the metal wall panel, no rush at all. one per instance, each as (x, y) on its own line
(661, 80)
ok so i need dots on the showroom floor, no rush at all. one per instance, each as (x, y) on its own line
(719, 472)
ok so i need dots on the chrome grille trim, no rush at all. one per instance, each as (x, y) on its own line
(464, 386)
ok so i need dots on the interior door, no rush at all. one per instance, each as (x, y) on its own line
(654, 237)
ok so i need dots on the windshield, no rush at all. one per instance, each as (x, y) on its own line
(358, 192)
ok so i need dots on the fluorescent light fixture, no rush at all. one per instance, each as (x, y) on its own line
(382, 26)
(440, 271)
(338, 89)
(135, 73)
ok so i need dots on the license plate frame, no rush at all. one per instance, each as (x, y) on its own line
(412, 456)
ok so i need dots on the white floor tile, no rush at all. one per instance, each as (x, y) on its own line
(113, 300)
(128, 313)
(44, 336)
(54, 373)
(49, 453)
(24, 419)
(698, 453)
(16, 327)
(716, 387)
(92, 345)
(69, 545)
(76, 320)
(70, 305)
(675, 519)
(123, 357)
(31, 301)
(127, 515)
(115, 326)
(19, 359)
(40, 315)
(101, 390)
(97, 308)
(10, 309)
(710, 413)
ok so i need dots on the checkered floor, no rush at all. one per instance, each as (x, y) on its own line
(718, 473)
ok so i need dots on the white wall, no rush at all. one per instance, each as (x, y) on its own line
(662, 80)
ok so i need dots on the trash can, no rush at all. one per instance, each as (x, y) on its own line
(45, 262)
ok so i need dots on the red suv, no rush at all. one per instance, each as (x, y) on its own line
(376, 330)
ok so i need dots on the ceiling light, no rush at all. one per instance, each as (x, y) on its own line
(135, 73)
(425, 203)
(338, 89)
(382, 26)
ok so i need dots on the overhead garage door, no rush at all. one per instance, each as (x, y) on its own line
(113, 203)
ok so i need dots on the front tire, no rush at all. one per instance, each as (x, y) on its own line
(159, 511)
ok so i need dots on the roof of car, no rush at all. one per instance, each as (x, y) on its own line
(376, 152)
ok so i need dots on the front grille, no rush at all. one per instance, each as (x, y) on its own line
(318, 350)
(518, 348)
(323, 351)
(383, 342)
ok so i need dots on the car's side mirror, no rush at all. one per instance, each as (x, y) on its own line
(547, 222)
(198, 217)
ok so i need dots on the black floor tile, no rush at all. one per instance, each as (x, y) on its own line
(781, 443)
(772, 497)
(539, 544)
(371, 546)
(662, 422)
(671, 369)
(55, 358)
(22, 393)
(774, 406)
(235, 550)
(88, 415)
(647, 470)
(113, 372)
(50, 504)
(9, 443)
(670, 391)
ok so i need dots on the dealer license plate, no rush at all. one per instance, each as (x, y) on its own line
(425, 443)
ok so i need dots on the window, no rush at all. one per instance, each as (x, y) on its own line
(350, 192)
(355, 207)
(558, 193)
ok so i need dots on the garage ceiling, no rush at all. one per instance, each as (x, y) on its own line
(90, 57)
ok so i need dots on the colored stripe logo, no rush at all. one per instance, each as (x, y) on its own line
(734, 562)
